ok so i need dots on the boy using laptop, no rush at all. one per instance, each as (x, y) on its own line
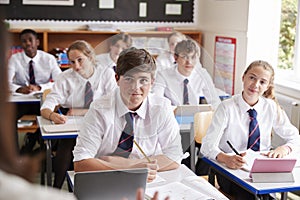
(117, 124)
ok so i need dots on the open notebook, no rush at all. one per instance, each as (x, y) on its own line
(188, 186)
(72, 125)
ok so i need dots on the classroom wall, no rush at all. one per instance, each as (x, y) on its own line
(254, 23)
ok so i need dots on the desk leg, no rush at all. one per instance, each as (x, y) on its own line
(211, 176)
(49, 163)
(283, 196)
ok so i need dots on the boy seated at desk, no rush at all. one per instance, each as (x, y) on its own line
(187, 81)
(115, 124)
(32, 69)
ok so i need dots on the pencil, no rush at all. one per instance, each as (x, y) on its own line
(141, 150)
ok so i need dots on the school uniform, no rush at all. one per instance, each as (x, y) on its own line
(69, 92)
(165, 60)
(231, 123)
(170, 83)
(155, 128)
(45, 69)
(69, 89)
(106, 61)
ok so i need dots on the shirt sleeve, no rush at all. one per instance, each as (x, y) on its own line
(209, 90)
(89, 140)
(159, 85)
(169, 136)
(57, 95)
(55, 68)
(109, 80)
(210, 143)
(12, 64)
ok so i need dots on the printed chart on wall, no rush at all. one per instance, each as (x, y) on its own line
(224, 69)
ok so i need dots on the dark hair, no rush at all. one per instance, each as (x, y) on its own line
(135, 60)
(187, 46)
(126, 38)
(85, 48)
(26, 31)
(269, 93)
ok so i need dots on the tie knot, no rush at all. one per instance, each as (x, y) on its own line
(186, 81)
(252, 113)
(30, 62)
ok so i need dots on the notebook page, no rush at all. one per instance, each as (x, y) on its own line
(201, 185)
(176, 190)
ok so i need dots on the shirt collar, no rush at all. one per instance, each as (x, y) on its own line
(122, 108)
(34, 59)
(244, 106)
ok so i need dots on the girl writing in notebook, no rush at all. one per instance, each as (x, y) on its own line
(73, 91)
(247, 121)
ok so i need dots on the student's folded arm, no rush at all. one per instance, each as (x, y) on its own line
(92, 164)
(77, 111)
(110, 163)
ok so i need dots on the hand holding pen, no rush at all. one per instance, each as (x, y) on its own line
(57, 118)
(236, 161)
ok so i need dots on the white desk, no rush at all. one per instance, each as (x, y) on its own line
(187, 140)
(171, 177)
(241, 178)
(48, 137)
(24, 98)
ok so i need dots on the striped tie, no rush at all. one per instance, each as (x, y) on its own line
(88, 95)
(254, 134)
(185, 92)
(126, 140)
(31, 73)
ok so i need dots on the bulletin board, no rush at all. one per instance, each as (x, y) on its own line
(100, 10)
(224, 63)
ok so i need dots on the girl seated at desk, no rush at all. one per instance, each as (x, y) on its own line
(75, 89)
(247, 121)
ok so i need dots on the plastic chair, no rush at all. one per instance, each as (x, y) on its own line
(199, 127)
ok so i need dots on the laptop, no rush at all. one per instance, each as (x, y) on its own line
(190, 110)
(273, 169)
(109, 184)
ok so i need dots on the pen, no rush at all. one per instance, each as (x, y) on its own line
(233, 149)
(141, 150)
(59, 111)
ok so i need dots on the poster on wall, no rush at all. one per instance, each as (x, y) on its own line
(224, 63)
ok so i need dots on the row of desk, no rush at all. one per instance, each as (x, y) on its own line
(238, 176)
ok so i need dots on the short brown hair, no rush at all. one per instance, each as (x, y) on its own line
(135, 60)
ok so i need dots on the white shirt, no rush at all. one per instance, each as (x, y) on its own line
(16, 188)
(69, 88)
(231, 122)
(105, 60)
(165, 61)
(155, 128)
(169, 83)
(45, 70)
